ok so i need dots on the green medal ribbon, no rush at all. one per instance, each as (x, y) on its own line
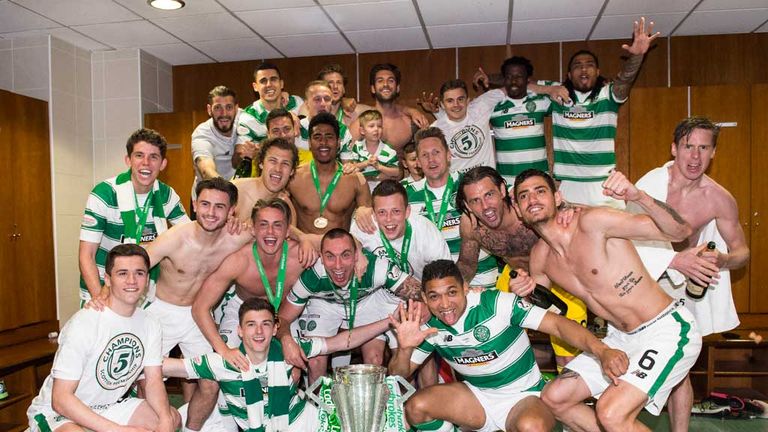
(276, 297)
(325, 197)
(443, 205)
(403, 261)
(340, 114)
(349, 313)
(142, 213)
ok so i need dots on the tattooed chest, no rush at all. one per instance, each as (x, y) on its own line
(518, 242)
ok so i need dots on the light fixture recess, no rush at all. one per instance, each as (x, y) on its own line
(166, 4)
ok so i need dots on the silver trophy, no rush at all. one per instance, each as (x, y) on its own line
(360, 395)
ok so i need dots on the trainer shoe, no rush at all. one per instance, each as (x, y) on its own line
(710, 407)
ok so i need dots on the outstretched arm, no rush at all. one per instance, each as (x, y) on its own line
(346, 340)
(409, 336)
(641, 42)
(469, 254)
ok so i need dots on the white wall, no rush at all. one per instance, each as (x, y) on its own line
(24, 66)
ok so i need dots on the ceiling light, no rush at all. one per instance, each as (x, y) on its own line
(166, 4)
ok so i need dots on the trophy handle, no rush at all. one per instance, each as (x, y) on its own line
(314, 398)
(409, 390)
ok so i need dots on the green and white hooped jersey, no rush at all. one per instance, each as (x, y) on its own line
(584, 135)
(213, 367)
(488, 347)
(487, 269)
(385, 154)
(103, 224)
(470, 140)
(518, 129)
(252, 124)
(315, 283)
(345, 139)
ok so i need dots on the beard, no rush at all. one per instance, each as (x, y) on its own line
(225, 130)
(382, 99)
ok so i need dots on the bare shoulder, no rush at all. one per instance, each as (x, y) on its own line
(299, 178)
(716, 194)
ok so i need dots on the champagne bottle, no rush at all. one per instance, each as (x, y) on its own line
(693, 289)
(544, 298)
(244, 169)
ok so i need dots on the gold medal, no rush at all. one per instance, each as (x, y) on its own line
(321, 222)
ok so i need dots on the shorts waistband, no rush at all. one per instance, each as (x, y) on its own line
(668, 310)
(166, 304)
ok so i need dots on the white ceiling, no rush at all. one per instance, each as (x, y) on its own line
(208, 31)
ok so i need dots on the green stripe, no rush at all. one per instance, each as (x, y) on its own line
(513, 170)
(203, 370)
(581, 179)
(685, 328)
(42, 423)
(572, 158)
(527, 143)
(584, 134)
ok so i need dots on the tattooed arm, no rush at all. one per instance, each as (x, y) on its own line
(469, 254)
(641, 42)
(409, 289)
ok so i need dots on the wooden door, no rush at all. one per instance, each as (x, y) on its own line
(653, 114)
(31, 173)
(7, 229)
(758, 231)
(177, 129)
(731, 165)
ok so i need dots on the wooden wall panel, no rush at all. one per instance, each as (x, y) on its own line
(7, 241)
(711, 60)
(653, 114)
(731, 163)
(297, 72)
(611, 56)
(545, 59)
(758, 229)
(191, 83)
(177, 129)
(422, 70)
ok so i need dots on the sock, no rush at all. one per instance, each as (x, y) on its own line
(435, 426)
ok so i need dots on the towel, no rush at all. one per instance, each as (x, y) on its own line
(126, 203)
(715, 312)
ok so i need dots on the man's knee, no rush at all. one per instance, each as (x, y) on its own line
(611, 415)
(417, 408)
(557, 397)
(533, 423)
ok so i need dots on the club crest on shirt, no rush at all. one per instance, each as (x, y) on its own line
(120, 362)
(467, 141)
(481, 333)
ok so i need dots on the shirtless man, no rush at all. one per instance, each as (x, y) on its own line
(398, 120)
(594, 259)
(714, 215)
(278, 266)
(323, 197)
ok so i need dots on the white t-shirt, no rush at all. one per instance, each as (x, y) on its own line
(470, 140)
(106, 353)
(208, 142)
(427, 244)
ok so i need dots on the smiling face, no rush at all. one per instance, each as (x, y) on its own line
(269, 85)
(434, 159)
(583, 72)
(385, 87)
(486, 201)
(212, 208)
(339, 257)
(411, 163)
(455, 104)
(336, 83)
(276, 169)
(223, 110)
(128, 280)
(535, 202)
(391, 213)
(145, 162)
(694, 153)
(256, 330)
(281, 127)
(516, 81)
(270, 227)
(446, 299)
(323, 143)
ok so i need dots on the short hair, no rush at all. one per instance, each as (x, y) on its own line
(150, 137)
(518, 61)
(219, 184)
(326, 119)
(388, 188)
(430, 132)
(276, 114)
(387, 67)
(125, 250)
(266, 66)
(221, 91)
(280, 143)
(255, 304)
(473, 176)
(332, 68)
(337, 233)
(440, 269)
(686, 127)
(582, 52)
(275, 203)
(369, 115)
(315, 83)
(409, 147)
(533, 172)
(568, 84)
(451, 85)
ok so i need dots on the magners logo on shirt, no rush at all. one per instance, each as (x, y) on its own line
(519, 121)
(473, 357)
(578, 113)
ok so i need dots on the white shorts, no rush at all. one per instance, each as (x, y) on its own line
(661, 352)
(179, 329)
(324, 318)
(587, 193)
(219, 309)
(119, 413)
(230, 319)
(308, 420)
(497, 403)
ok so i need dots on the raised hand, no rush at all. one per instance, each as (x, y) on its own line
(408, 326)
(641, 38)
(617, 186)
(480, 80)
(428, 103)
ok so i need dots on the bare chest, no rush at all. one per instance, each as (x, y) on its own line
(397, 131)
